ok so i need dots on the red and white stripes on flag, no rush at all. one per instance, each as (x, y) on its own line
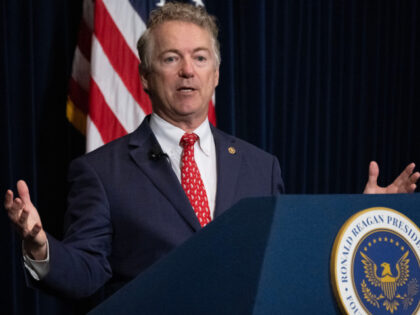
(106, 99)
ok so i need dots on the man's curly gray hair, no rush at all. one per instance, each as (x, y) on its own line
(176, 11)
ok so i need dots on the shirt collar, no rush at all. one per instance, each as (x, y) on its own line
(169, 135)
(205, 136)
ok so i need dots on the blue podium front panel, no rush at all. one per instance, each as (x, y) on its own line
(295, 277)
(263, 256)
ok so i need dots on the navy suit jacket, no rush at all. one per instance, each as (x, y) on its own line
(126, 209)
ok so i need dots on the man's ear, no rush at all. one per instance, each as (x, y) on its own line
(143, 79)
(216, 81)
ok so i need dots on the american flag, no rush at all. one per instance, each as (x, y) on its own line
(106, 99)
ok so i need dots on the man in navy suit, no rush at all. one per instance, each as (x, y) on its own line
(127, 207)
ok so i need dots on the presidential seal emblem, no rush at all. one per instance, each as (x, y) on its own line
(375, 266)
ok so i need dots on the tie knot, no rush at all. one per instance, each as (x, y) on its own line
(188, 139)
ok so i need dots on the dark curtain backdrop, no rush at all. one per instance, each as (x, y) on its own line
(326, 86)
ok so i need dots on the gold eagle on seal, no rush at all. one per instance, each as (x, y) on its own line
(387, 282)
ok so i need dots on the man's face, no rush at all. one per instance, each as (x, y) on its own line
(183, 73)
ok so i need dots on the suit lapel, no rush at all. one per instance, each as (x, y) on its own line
(228, 165)
(160, 172)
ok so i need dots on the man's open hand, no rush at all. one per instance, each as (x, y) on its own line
(26, 219)
(404, 183)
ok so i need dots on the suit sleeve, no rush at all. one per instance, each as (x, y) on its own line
(78, 264)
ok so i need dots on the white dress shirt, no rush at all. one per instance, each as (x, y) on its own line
(169, 137)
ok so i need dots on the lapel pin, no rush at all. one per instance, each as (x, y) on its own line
(231, 150)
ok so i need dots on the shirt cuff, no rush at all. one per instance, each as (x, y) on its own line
(38, 269)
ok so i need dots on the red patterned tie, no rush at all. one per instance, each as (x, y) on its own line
(191, 180)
